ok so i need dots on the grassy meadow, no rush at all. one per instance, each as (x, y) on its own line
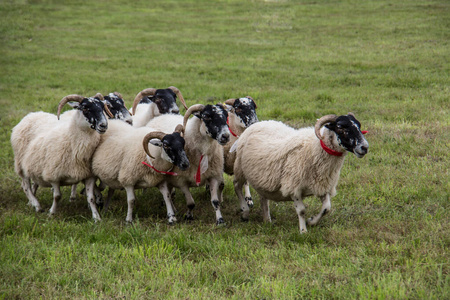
(388, 233)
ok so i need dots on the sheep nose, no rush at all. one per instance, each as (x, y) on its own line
(176, 111)
(184, 165)
(224, 138)
(364, 149)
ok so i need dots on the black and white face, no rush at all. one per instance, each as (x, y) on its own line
(92, 109)
(117, 107)
(245, 109)
(215, 119)
(348, 132)
(165, 100)
(173, 149)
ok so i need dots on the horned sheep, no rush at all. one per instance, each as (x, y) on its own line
(150, 103)
(59, 153)
(205, 135)
(136, 165)
(285, 164)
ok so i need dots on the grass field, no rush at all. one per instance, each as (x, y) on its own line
(388, 234)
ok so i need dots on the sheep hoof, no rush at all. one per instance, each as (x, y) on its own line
(189, 217)
(244, 219)
(220, 222)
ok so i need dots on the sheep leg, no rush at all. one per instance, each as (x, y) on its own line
(326, 206)
(248, 196)
(34, 188)
(108, 199)
(28, 190)
(300, 209)
(131, 199)
(73, 192)
(166, 192)
(265, 209)
(172, 198)
(242, 203)
(189, 202)
(56, 197)
(214, 190)
(89, 186)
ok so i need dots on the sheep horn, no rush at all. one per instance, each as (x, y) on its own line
(193, 108)
(152, 135)
(66, 99)
(99, 96)
(178, 93)
(230, 102)
(108, 112)
(179, 129)
(351, 114)
(140, 95)
(118, 95)
(322, 121)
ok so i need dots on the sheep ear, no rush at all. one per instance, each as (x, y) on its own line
(198, 114)
(156, 142)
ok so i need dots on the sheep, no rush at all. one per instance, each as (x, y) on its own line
(205, 134)
(116, 105)
(285, 164)
(126, 169)
(151, 102)
(60, 151)
(241, 114)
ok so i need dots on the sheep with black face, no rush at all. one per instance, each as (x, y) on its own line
(60, 152)
(205, 135)
(150, 103)
(142, 158)
(285, 164)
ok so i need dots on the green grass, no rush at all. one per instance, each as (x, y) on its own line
(387, 236)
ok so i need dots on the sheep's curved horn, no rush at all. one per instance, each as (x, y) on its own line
(352, 114)
(322, 121)
(152, 135)
(192, 109)
(179, 129)
(178, 93)
(108, 112)
(230, 102)
(118, 95)
(99, 96)
(66, 99)
(140, 95)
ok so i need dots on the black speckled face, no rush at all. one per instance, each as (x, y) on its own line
(173, 146)
(165, 99)
(117, 107)
(349, 135)
(92, 109)
(245, 109)
(215, 119)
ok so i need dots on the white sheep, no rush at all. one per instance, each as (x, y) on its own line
(205, 134)
(124, 159)
(59, 152)
(285, 164)
(152, 102)
(241, 114)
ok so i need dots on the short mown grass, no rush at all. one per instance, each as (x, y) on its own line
(387, 236)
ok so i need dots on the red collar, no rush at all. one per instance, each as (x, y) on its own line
(198, 175)
(158, 171)
(332, 152)
(231, 131)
